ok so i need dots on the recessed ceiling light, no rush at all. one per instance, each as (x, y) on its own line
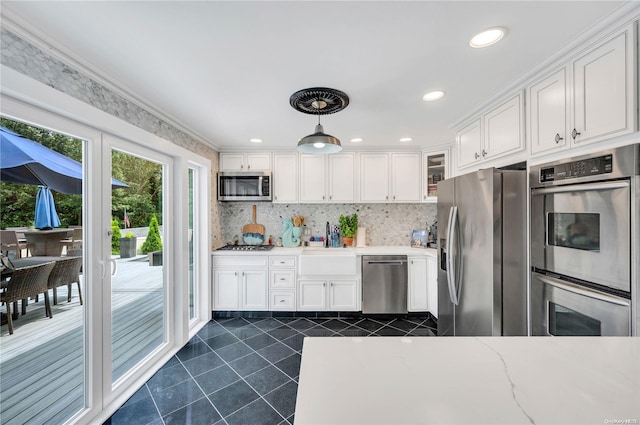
(255, 140)
(487, 37)
(356, 140)
(433, 95)
(406, 139)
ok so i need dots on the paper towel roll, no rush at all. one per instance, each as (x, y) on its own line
(361, 237)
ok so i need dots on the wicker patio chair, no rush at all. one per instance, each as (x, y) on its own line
(65, 272)
(27, 282)
(74, 241)
(9, 242)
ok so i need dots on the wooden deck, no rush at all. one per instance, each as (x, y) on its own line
(42, 363)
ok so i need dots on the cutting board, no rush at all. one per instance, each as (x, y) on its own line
(253, 227)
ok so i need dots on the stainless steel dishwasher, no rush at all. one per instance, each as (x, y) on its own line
(384, 284)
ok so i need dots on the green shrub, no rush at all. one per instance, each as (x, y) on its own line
(115, 237)
(153, 241)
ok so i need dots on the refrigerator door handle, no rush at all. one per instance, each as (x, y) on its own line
(451, 271)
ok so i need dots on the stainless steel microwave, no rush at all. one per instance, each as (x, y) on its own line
(244, 186)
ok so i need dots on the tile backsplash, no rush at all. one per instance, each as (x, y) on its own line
(386, 224)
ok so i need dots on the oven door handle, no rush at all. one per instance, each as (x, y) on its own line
(581, 187)
(571, 287)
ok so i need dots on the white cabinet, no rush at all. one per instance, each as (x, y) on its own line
(327, 178)
(328, 294)
(285, 178)
(391, 177)
(226, 290)
(549, 113)
(240, 283)
(374, 177)
(432, 286)
(496, 133)
(423, 285)
(418, 298)
(435, 167)
(604, 88)
(469, 144)
(239, 289)
(245, 161)
(282, 283)
(504, 129)
(590, 99)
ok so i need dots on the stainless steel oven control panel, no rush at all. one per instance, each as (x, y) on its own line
(574, 169)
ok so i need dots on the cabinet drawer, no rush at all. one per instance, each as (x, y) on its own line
(282, 262)
(283, 279)
(242, 261)
(282, 300)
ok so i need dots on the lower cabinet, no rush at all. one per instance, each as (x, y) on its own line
(432, 286)
(240, 283)
(418, 300)
(328, 295)
(240, 290)
(423, 285)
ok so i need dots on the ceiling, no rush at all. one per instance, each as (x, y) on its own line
(224, 70)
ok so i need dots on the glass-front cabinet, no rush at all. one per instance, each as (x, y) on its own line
(435, 167)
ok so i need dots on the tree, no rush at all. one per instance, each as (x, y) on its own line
(153, 241)
(115, 237)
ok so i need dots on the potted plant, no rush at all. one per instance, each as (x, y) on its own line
(348, 228)
(128, 245)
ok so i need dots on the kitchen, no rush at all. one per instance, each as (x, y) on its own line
(390, 224)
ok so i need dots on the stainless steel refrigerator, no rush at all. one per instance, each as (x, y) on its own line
(482, 246)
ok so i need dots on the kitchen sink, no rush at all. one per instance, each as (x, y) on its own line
(328, 251)
(328, 261)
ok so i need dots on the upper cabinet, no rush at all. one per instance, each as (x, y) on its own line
(285, 177)
(604, 84)
(590, 99)
(435, 168)
(391, 177)
(245, 161)
(549, 113)
(327, 178)
(496, 133)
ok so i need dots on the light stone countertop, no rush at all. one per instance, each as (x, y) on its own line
(469, 380)
(369, 250)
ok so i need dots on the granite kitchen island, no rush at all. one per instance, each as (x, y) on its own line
(469, 380)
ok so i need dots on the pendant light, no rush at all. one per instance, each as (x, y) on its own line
(320, 101)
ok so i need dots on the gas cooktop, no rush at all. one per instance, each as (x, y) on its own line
(245, 248)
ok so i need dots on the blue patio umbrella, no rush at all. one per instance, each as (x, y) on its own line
(46, 215)
(24, 161)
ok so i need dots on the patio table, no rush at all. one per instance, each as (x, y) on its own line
(46, 242)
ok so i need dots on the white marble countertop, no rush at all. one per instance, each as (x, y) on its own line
(368, 250)
(469, 380)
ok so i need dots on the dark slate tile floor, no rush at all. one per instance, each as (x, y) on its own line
(243, 371)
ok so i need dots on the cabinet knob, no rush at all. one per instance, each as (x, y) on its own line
(484, 153)
(411, 261)
(424, 196)
(394, 197)
(575, 134)
(281, 301)
(236, 273)
(323, 197)
(476, 156)
(330, 197)
(241, 166)
(331, 283)
(386, 197)
(282, 278)
(275, 197)
(324, 283)
(558, 138)
(248, 166)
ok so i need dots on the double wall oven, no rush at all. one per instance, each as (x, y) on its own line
(585, 237)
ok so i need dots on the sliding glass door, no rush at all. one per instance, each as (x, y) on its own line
(139, 249)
